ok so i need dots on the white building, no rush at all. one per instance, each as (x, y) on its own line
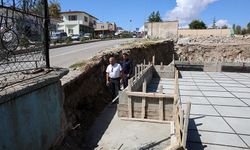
(77, 22)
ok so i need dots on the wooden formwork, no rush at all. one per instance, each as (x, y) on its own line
(136, 104)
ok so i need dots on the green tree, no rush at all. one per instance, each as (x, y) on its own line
(244, 31)
(155, 17)
(214, 24)
(234, 28)
(54, 9)
(197, 24)
(248, 28)
(224, 27)
(238, 29)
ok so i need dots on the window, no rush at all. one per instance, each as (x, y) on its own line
(102, 27)
(94, 22)
(72, 17)
(85, 19)
(70, 31)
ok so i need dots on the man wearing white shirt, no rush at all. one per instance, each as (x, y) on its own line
(113, 76)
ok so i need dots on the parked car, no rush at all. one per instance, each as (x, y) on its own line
(87, 36)
(59, 36)
(75, 37)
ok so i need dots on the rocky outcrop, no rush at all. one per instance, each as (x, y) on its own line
(213, 49)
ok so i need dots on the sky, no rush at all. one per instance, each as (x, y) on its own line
(225, 12)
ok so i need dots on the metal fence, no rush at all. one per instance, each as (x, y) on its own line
(24, 41)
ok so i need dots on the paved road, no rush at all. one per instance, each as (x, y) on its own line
(66, 56)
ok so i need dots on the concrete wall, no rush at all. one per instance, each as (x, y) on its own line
(31, 114)
(204, 32)
(162, 29)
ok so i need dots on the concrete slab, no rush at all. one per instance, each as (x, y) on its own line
(190, 93)
(211, 88)
(194, 99)
(226, 101)
(204, 146)
(246, 139)
(217, 94)
(207, 123)
(247, 101)
(212, 84)
(111, 133)
(237, 89)
(203, 110)
(232, 85)
(242, 94)
(234, 111)
(240, 125)
(187, 87)
(223, 139)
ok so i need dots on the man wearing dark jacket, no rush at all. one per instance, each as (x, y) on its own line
(127, 68)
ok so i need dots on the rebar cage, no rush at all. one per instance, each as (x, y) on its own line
(23, 39)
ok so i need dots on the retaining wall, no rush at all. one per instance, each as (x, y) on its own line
(31, 113)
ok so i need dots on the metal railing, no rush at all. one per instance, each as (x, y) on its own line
(24, 39)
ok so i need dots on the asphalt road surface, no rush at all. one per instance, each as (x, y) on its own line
(66, 56)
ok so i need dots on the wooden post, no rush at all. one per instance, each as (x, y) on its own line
(144, 63)
(142, 68)
(161, 105)
(135, 72)
(130, 113)
(144, 88)
(185, 127)
(129, 85)
(153, 61)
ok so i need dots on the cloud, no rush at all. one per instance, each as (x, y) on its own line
(187, 10)
(220, 23)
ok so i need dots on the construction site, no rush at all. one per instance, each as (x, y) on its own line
(185, 94)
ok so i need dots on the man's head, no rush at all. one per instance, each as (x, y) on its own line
(112, 60)
(125, 56)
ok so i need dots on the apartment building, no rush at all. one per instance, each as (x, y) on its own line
(77, 22)
(105, 28)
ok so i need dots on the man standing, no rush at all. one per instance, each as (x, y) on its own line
(127, 69)
(113, 76)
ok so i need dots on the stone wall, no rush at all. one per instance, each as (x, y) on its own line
(204, 32)
(87, 95)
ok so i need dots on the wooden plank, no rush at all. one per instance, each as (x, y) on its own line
(161, 105)
(146, 120)
(153, 61)
(185, 128)
(129, 85)
(149, 95)
(144, 87)
(130, 113)
(136, 72)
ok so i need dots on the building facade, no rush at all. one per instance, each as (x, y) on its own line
(77, 22)
(105, 28)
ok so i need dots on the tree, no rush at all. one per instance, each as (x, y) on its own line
(238, 29)
(234, 28)
(54, 9)
(197, 24)
(214, 24)
(244, 31)
(224, 27)
(248, 28)
(155, 17)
